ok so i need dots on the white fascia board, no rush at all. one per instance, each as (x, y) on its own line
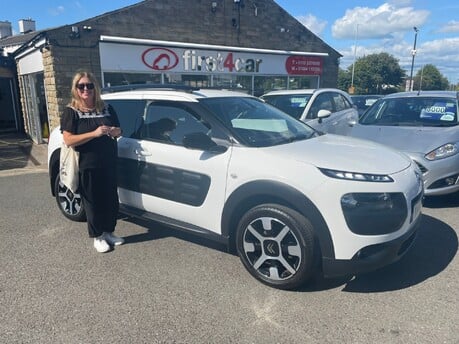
(31, 48)
(127, 40)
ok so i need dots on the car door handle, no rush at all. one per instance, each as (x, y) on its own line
(142, 152)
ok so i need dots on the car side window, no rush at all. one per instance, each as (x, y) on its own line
(341, 103)
(130, 114)
(169, 123)
(322, 102)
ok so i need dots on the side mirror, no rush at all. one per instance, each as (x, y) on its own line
(202, 142)
(323, 114)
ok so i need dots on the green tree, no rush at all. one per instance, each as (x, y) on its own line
(373, 74)
(430, 78)
(344, 79)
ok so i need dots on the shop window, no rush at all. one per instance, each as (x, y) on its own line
(8, 118)
(263, 84)
(188, 79)
(299, 82)
(118, 79)
(35, 110)
(234, 82)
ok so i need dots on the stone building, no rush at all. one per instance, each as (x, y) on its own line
(251, 45)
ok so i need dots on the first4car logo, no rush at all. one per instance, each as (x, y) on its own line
(160, 59)
(163, 59)
(219, 62)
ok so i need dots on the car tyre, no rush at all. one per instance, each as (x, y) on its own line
(70, 204)
(277, 246)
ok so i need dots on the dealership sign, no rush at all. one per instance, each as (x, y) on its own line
(303, 65)
(139, 58)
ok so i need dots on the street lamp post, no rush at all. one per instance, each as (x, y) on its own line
(355, 53)
(413, 53)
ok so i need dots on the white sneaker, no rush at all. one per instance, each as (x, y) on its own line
(113, 239)
(101, 245)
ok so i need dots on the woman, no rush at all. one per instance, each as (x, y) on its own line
(92, 128)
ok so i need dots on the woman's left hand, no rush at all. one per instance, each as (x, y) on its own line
(114, 132)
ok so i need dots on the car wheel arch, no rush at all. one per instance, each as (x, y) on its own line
(54, 169)
(255, 193)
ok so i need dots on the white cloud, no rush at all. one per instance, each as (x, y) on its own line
(56, 11)
(451, 26)
(313, 23)
(383, 22)
(400, 3)
(389, 28)
(442, 53)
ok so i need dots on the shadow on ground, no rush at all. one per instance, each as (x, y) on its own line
(444, 201)
(157, 231)
(434, 248)
(15, 151)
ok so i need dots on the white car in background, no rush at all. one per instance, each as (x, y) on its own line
(289, 200)
(325, 109)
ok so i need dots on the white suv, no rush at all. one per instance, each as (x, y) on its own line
(326, 109)
(290, 200)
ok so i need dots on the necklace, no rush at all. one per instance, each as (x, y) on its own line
(88, 109)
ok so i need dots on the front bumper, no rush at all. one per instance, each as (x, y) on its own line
(441, 177)
(371, 257)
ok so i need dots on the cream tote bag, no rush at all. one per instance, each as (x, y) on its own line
(68, 171)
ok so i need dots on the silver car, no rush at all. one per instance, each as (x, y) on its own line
(364, 101)
(425, 126)
(328, 110)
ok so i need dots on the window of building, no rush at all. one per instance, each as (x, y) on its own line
(117, 79)
(263, 84)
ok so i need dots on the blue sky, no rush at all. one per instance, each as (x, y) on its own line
(354, 28)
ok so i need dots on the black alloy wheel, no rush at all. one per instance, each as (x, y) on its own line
(276, 245)
(70, 204)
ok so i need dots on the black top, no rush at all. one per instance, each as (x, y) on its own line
(98, 152)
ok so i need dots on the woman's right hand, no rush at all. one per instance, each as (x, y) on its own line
(102, 130)
(79, 139)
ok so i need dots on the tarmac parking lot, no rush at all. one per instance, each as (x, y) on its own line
(165, 286)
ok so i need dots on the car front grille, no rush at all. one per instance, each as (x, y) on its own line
(421, 167)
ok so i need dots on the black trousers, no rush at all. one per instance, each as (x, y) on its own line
(99, 194)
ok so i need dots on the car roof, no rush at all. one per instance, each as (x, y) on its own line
(190, 94)
(366, 95)
(304, 91)
(446, 94)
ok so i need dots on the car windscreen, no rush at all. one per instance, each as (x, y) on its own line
(413, 111)
(293, 104)
(364, 102)
(255, 123)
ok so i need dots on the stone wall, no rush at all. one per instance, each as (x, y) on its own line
(61, 61)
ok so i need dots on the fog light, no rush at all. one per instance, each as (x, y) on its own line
(442, 183)
(450, 181)
(374, 213)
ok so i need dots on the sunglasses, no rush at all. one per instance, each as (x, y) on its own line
(89, 86)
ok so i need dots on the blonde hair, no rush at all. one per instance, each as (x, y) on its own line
(76, 101)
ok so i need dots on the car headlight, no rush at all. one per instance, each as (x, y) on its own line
(444, 151)
(361, 177)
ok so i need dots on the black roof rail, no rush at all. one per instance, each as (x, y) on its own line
(131, 87)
